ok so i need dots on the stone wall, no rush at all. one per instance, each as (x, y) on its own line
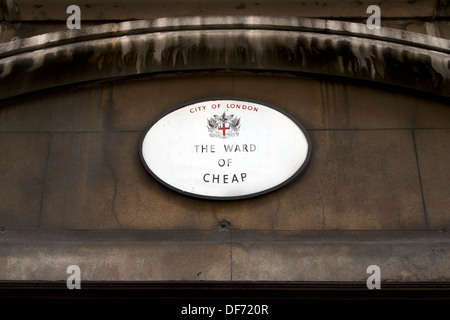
(74, 191)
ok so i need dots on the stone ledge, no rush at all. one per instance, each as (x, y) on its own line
(341, 256)
(409, 256)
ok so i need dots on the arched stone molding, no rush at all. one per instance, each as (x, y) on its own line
(251, 43)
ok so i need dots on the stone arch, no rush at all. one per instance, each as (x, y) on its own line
(251, 43)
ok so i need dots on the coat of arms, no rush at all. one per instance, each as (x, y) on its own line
(224, 126)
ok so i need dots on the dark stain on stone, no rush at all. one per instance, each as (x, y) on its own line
(357, 2)
(443, 8)
(283, 54)
(11, 11)
(224, 224)
(241, 6)
(344, 49)
(412, 70)
(107, 104)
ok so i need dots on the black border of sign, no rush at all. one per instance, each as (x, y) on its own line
(248, 196)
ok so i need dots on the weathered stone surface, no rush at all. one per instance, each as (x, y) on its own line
(131, 105)
(22, 176)
(433, 152)
(115, 256)
(436, 28)
(20, 10)
(364, 107)
(96, 181)
(20, 30)
(444, 28)
(134, 108)
(375, 192)
(60, 111)
(14, 31)
(283, 256)
(443, 9)
(220, 256)
(320, 47)
(356, 180)
(95, 178)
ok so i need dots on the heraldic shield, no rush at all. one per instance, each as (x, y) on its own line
(224, 126)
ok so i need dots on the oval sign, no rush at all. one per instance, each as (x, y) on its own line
(225, 149)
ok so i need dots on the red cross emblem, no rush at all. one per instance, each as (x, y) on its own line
(224, 128)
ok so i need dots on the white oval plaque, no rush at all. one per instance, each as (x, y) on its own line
(225, 149)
